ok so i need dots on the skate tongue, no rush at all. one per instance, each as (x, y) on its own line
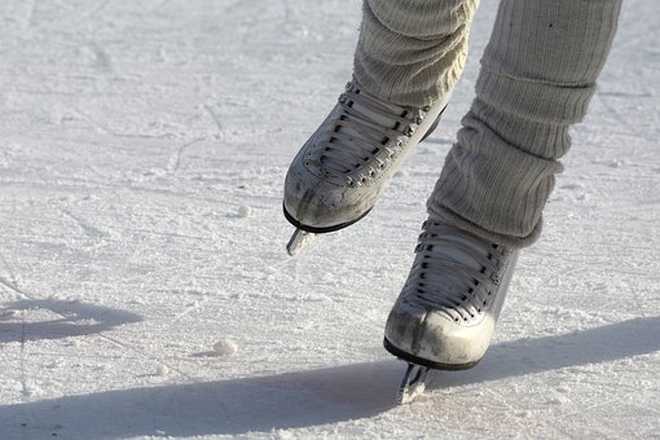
(377, 117)
(460, 255)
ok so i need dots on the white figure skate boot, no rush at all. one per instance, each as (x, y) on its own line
(339, 173)
(445, 315)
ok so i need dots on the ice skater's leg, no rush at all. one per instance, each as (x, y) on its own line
(537, 77)
(412, 52)
(409, 56)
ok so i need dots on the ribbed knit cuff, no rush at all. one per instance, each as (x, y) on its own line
(492, 188)
(412, 52)
(537, 78)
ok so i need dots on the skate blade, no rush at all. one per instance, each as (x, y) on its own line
(299, 240)
(413, 383)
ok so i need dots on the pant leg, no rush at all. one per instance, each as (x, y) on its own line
(412, 52)
(537, 77)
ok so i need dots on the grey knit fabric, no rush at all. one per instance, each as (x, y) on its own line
(411, 52)
(537, 77)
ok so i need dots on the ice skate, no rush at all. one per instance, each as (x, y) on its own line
(339, 173)
(445, 315)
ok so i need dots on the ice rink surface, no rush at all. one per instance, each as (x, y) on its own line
(144, 287)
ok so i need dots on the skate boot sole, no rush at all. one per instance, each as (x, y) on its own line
(321, 230)
(407, 357)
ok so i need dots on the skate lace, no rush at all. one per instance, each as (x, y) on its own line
(455, 273)
(366, 137)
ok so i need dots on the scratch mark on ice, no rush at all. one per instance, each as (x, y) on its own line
(214, 117)
(12, 283)
(90, 230)
(5, 282)
(174, 161)
(25, 391)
